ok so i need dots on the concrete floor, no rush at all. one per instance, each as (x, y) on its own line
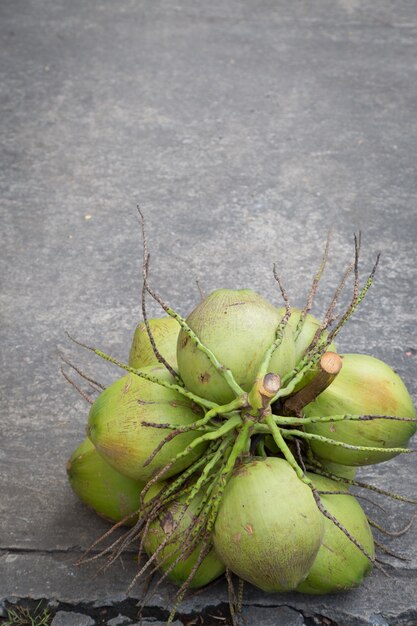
(245, 130)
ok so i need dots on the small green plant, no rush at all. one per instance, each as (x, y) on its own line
(23, 616)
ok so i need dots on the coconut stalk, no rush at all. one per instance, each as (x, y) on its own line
(330, 365)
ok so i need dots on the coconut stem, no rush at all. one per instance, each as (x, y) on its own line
(314, 286)
(171, 490)
(386, 550)
(226, 427)
(154, 379)
(391, 533)
(282, 446)
(356, 301)
(240, 446)
(279, 332)
(76, 387)
(231, 594)
(335, 521)
(218, 432)
(298, 433)
(261, 394)
(325, 419)
(356, 483)
(94, 383)
(145, 270)
(205, 474)
(330, 366)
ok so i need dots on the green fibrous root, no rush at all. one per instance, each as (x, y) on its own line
(267, 419)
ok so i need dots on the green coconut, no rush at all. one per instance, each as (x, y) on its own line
(110, 494)
(268, 529)
(364, 386)
(343, 471)
(165, 334)
(210, 568)
(238, 327)
(115, 425)
(340, 564)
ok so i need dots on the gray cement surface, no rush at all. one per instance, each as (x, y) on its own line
(245, 130)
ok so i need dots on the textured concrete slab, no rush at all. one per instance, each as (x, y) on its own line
(245, 131)
(282, 616)
(66, 618)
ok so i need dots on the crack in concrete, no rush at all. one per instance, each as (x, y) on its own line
(22, 551)
(75, 550)
(212, 615)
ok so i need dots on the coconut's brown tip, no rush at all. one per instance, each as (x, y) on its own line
(331, 363)
(271, 384)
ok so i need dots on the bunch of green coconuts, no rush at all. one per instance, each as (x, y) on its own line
(232, 441)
